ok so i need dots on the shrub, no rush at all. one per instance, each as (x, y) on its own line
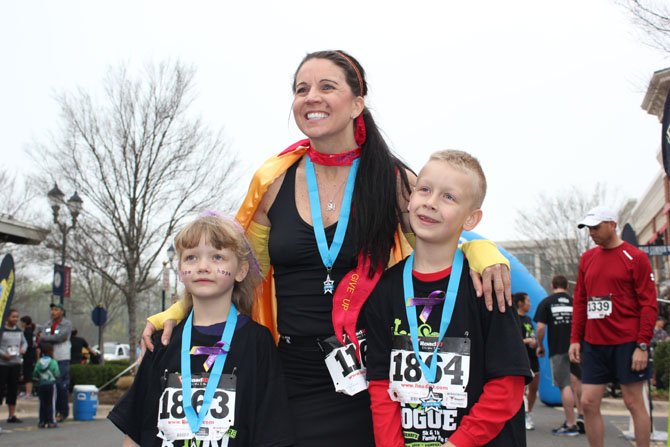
(96, 375)
(662, 364)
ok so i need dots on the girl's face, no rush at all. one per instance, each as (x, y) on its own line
(210, 273)
(13, 319)
(324, 106)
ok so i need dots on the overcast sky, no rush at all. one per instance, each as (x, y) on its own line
(546, 94)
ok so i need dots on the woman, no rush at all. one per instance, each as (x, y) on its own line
(12, 346)
(30, 357)
(325, 215)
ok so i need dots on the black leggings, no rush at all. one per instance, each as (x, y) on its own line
(9, 383)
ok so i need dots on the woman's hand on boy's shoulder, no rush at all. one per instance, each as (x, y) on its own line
(494, 278)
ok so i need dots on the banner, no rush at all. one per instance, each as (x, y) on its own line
(665, 136)
(6, 289)
(61, 282)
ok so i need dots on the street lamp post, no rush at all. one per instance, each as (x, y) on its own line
(171, 252)
(74, 205)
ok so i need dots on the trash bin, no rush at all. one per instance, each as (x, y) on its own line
(85, 402)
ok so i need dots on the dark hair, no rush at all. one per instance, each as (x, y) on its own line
(559, 282)
(47, 348)
(376, 213)
(519, 297)
(28, 322)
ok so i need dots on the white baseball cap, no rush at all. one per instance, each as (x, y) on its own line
(597, 215)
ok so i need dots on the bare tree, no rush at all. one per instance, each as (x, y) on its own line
(141, 164)
(551, 225)
(652, 17)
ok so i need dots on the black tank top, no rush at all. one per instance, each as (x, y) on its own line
(299, 273)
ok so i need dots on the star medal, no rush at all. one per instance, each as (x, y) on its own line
(328, 284)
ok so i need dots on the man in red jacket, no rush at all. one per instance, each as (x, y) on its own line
(614, 311)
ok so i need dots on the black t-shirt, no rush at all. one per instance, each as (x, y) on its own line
(527, 331)
(556, 312)
(496, 350)
(299, 273)
(262, 415)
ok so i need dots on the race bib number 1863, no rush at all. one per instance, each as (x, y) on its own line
(172, 422)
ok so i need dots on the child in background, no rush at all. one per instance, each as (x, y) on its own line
(522, 304)
(45, 373)
(456, 377)
(223, 364)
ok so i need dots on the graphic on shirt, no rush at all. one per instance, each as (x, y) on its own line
(561, 312)
(528, 328)
(172, 423)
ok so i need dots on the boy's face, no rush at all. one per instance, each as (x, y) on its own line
(441, 205)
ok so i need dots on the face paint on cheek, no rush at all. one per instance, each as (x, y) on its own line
(184, 273)
(223, 272)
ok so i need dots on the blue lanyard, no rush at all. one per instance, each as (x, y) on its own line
(329, 254)
(447, 310)
(195, 420)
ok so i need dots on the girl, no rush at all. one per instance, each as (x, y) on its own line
(12, 346)
(30, 357)
(223, 364)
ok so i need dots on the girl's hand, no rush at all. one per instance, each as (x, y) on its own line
(496, 277)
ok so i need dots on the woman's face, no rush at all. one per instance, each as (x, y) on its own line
(12, 319)
(324, 106)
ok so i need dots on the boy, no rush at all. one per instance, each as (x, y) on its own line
(45, 373)
(474, 395)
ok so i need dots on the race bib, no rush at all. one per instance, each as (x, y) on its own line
(346, 371)
(599, 307)
(407, 383)
(172, 422)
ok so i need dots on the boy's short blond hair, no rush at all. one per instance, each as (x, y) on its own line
(468, 164)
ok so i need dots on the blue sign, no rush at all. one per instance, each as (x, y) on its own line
(99, 316)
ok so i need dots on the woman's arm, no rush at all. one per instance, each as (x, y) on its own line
(489, 271)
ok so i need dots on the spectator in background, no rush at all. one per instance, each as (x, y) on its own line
(614, 309)
(660, 334)
(554, 317)
(57, 332)
(522, 303)
(12, 346)
(30, 356)
(46, 373)
(78, 344)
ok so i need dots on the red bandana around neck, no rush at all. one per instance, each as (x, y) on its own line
(341, 159)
